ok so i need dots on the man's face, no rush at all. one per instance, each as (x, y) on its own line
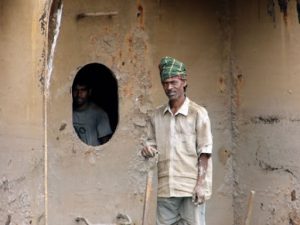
(81, 94)
(174, 87)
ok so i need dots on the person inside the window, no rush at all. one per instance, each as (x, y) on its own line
(90, 122)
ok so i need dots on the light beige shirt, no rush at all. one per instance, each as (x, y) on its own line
(180, 139)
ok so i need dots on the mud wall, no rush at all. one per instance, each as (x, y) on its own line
(21, 112)
(265, 48)
(131, 44)
(242, 66)
(98, 182)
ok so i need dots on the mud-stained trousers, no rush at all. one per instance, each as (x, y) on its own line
(179, 211)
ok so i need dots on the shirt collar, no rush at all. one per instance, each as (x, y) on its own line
(184, 109)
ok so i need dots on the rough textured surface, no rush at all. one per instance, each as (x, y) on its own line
(21, 113)
(265, 159)
(242, 61)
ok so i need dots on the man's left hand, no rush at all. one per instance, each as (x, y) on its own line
(198, 195)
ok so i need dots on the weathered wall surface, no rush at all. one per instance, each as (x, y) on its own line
(21, 113)
(265, 71)
(131, 45)
(242, 65)
(98, 182)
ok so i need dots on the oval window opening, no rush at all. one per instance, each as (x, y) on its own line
(95, 104)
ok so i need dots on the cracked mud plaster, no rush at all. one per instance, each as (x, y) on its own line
(238, 84)
(294, 218)
(135, 60)
(43, 20)
(136, 53)
(53, 32)
(128, 53)
(265, 119)
(49, 28)
(269, 168)
(226, 188)
(16, 201)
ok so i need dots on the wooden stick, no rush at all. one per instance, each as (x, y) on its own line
(249, 208)
(148, 193)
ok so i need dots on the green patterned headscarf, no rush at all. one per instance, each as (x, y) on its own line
(170, 67)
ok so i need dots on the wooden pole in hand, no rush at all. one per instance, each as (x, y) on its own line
(148, 193)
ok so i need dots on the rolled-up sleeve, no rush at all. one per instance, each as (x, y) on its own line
(204, 135)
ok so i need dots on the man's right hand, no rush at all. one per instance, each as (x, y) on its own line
(148, 152)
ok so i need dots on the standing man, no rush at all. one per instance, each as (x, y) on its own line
(180, 133)
(90, 122)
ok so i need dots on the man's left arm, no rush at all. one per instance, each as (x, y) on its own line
(199, 193)
(204, 151)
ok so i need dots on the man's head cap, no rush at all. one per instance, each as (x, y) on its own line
(170, 67)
